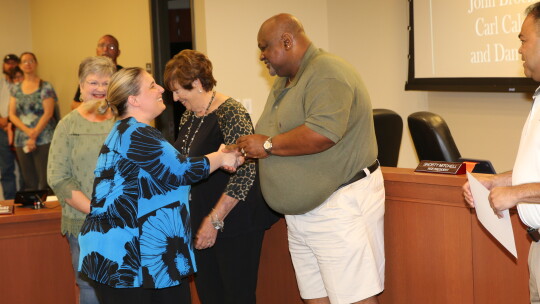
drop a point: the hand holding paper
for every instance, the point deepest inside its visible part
(487, 180)
(500, 228)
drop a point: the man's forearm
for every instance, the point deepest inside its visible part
(502, 179)
(300, 141)
(528, 193)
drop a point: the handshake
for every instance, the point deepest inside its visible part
(248, 146)
(230, 157)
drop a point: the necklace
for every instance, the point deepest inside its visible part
(186, 142)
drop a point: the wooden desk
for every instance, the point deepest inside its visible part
(37, 267)
(276, 282)
(438, 252)
(35, 258)
(436, 249)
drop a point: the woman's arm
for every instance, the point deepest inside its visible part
(233, 122)
(227, 160)
(79, 201)
(154, 154)
(48, 110)
(59, 173)
(14, 118)
(206, 236)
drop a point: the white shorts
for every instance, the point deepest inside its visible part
(534, 272)
(337, 249)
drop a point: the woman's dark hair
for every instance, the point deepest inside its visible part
(13, 72)
(29, 53)
(186, 67)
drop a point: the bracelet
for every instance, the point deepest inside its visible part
(216, 222)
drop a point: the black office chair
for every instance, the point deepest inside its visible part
(433, 141)
(432, 138)
(388, 130)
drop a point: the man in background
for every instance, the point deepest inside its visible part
(7, 156)
(107, 46)
(521, 186)
(317, 149)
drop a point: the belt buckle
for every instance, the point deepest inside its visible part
(534, 234)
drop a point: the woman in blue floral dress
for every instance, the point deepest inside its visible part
(31, 110)
(136, 242)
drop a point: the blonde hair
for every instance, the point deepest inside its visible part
(97, 65)
(124, 83)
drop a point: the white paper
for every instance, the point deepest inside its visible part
(52, 198)
(500, 228)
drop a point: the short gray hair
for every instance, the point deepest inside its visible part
(99, 65)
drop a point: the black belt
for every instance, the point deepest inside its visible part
(361, 174)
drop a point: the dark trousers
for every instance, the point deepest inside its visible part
(179, 294)
(227, 272)
(34, 167)
(7, 167)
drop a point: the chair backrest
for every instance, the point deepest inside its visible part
(388, 130)
(432, 138)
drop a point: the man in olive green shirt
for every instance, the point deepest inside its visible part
(317, 149)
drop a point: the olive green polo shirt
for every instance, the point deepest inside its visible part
(328, 96)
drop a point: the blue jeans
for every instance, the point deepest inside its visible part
(87, 294)
(7, 167)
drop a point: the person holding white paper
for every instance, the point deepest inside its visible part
(521, 186)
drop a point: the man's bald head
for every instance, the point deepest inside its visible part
(284, 23)
(108, 46)
(283, 43)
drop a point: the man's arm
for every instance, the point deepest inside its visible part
(506, 197)
(489, 181)
(503, 195)
(298, 141)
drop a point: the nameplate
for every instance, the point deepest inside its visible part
(441, 167)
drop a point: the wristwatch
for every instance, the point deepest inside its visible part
(267, 146)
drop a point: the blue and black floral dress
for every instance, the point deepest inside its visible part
(29, 109)
(138, 231)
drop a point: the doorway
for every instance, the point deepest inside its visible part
(172, 32)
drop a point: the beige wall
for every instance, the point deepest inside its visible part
(484, 125)
(371, 34)
(230, 41)
(15, 23)
(66, 31)
(352, 29)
